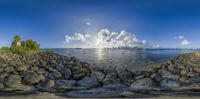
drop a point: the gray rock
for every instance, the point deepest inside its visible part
(169, 84)
(68, 83)
(66, 73)
(88, 82)
(21, 68)
(125, 75)
(169, 75)
(13, 81)
(1, 86)
(99, 76)
(34, 68)
(115, 86)
(80, 73)
(54, 75)
(33, 78)
(143, 84)
(9, 69)
(46, 86)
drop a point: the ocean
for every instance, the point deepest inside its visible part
(135, 59)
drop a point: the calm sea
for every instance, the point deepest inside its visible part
(122, 58)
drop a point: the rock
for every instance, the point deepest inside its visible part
(66, 73)
(143, 84)
(169, 84)
(3, 75)
(115, 86)
(68, 83)
(2, 86)
(194, 79)
(13, 81)
(157, 77)
(33, 78)
(9, 69)
(41, 71)
(169, 75)
(46, 86)
(88, 82)
(174, 69)
(65, 85)
(125, 75)
(79, 74)
(111, 78)
(54, 75)
(34, 68)
(21, 68)
(99, 76)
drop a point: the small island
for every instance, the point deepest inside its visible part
(25, 69)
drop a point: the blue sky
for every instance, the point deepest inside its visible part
(168, 23)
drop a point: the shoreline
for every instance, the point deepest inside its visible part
(70, 77)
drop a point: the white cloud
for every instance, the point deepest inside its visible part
(107, 39)
(184, 41)
(88, 21)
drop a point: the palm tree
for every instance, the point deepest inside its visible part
(16, 41)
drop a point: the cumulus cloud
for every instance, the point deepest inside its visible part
(184, 41)
(77, 37)
(107, 39)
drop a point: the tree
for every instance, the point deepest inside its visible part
(16, 41)
(32, 45)
(19, 46)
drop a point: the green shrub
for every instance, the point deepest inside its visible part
(5, 50)
(19, 46)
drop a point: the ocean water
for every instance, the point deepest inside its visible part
(122, 58)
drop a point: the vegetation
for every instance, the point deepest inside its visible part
(19, 46)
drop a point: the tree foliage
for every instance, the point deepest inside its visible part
(19, 46)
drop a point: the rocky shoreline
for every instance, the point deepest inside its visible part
(70, 77)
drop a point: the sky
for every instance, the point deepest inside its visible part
(102, 23)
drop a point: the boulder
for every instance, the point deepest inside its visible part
(88, 82)
(46, 86)
(143, 84)
(13, 81)
(63, 82)
(80, 73)
(21, 68)
(66, 73)
(115, 86)
(54, 75)
(168, 84)
(9, 69)
(33, 78)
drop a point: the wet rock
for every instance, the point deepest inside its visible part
(143, 84)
